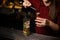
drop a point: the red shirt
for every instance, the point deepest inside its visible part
(44, 13)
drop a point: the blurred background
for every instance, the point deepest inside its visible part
(12, 13)
(9, 13)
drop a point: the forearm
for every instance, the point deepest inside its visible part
(53, 26)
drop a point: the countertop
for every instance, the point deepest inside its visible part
(18, 35)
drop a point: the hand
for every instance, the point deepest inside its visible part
(45, 0)
(26, 3)
(41, 22)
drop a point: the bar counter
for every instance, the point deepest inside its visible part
(14, 34)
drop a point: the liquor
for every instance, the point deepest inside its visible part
(26, 25)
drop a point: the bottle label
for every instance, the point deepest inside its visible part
(26, 28)
(27, 24)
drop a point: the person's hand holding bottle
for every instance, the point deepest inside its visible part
(26, 3)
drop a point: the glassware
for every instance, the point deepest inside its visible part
(26, 25)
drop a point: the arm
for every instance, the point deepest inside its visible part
(34, 3)
(42, 22)
(53, 25)
(57, 25)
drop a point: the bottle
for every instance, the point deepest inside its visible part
(26, 25)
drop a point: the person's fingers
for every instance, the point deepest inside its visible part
(38, 20)
(29, 4)
(25, 0)
(26, 4)
(39, 24)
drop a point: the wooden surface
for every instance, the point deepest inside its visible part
(18, 35)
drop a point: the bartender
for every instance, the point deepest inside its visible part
(44, 23)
